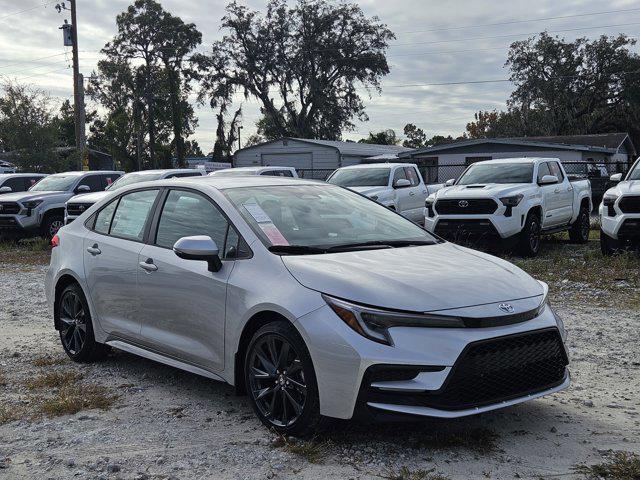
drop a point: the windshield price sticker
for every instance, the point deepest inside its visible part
(256, 211)
(273, 234)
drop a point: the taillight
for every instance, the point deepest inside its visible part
(55, 241)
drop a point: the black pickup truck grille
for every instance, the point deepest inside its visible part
(76, 209)
(630, 204)
(479, 206)
(9, 208)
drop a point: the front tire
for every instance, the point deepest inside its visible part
(281, 381)
(51, 224)
(76, 327)
(529, 243)
(579, 231)
(608, 245)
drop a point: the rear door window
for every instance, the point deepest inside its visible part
(132, 214)
(30, 182)
(108, 179)
(94, 182)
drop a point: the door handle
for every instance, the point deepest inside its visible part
(94, 250)
(412, 193)
(557, 190)
(148, 265)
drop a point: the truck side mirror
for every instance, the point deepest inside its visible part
(450, 182)
(548, 180)
(5, 189)
(402, 183)
(83, 189)
(616, 177)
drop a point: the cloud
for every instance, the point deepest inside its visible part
(436, 43)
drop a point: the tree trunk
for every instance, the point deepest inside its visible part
(176, 117)
(151, 120)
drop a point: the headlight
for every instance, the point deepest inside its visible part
(512, 201)
(31, 204)
(374, 323)
(431, 199)
(609, 200)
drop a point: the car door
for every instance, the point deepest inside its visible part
(550, 199)
(417, 195)
(403, 199)
(111, 261)
(564, 192)
(182, 303)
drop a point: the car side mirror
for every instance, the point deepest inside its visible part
(83, 189)
(402, 183)
(5, 190)
(616, 177)
(548, 180)
(199, 247)
(450, 182)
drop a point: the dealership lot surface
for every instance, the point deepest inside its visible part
(165, 423)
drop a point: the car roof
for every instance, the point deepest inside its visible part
(87, 172)
(376, 165)
(7, 175)
(168, 170)
(519, 160)
(222, 183)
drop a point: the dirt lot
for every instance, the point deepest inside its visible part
(153, 421)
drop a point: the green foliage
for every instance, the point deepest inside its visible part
(301, 62)
(385, 137)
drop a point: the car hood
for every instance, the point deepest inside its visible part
(29, 196)
(419, 279)
(89, 197)
(483, 190)
(369, 191)
(631, 187)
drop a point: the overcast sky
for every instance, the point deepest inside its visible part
(435, 44)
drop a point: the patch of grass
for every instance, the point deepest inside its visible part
(622, 466)
(312, 450)
(404, 473)
(47, 361)
(73, 399)
(479, 440)
(54, 380)
(32, 251)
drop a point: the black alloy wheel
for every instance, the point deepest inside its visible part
(73, 322)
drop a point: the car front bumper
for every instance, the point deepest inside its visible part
(19, 222)
(493, 226)
(622, 226)
(417, 372)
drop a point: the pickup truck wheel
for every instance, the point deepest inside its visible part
(608, 245)
(51, 224)
(529, 244)
(579, 231)
(76, 328)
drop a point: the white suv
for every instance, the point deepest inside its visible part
(620, 212)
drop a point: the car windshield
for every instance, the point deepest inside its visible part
(635, 173)
(134, 177)
(497, 173)
(321, 217)
(361, 177)
(233, 173)
(55, 183)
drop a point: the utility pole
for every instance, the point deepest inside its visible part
(239, 144)
(78, 86)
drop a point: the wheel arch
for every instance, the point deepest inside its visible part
(536, 209)
(62, 282)
(255, 322)
(53, 211)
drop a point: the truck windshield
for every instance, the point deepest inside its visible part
(635, 173)
(497, 173)
(308, 218)
(55, 183)
(361, 177)
(134, 177)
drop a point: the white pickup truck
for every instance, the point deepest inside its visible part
(512, 201)
(398, 186)
(620, 212)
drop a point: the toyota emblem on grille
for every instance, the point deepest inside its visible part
(81, 208)
(463, 204)
(506, 307)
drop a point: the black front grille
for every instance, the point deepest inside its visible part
(492, 371)
(9, 208)
(462, 231)
(630, 204)
(76, 209)
(630, 229)
(8, 222)
(478, 206)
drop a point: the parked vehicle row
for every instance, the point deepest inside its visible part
(620, 212)
(78, 204)
(40, 210)
(312, 299)
(512, 201)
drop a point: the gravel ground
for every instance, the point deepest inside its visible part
(165, 423)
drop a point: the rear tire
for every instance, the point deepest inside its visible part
(281, 382)
(51, 224)
(608, 245)
(579, 231)
(76, 328)
(529, 243)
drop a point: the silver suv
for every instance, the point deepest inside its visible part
(78, 204)
(40, 210)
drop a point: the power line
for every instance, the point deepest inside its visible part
(39, 74)
(36, 67)
(513, 22)
(26, 10)
(42, 58)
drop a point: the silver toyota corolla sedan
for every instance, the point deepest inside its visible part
(315, 301)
